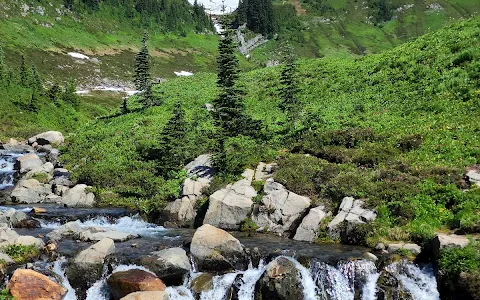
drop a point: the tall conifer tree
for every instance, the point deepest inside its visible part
(24, 78)
(142, 66)
(289, 88)
(3, 67)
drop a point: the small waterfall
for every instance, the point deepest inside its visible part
(359, 274)
(369, 289)
(179, 293)
(419, 282)
(331, 283)
(221, 285)
(58, 268)
(249, 279)
(309, 287)
(7, 173)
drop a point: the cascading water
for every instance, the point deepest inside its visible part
(7, 172)
(331, 283)
(58, 268)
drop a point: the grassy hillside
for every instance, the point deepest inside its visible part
(396, 128)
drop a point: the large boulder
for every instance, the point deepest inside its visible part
(217, 250)
(87, 266)
(281, 280)
(412, 248)
(30, 191)
(308, 229)
(264, 171)
(134, 280)
(281, 210)
(441, 241)
(52, 156)
(27, 162)
(170, 265)
(12, 217)
(148, 295)
(30, 285)
(201, 167)
(47, 138)
(80, 196)
(351, 212)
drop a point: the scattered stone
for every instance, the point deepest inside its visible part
(28, 223)
(413, 248)
(370, 256)
(39, 210)
(27, 162)
(47, 138)
(52, 156)
(80, 196)
(135, 280)
(352, 212)
(31, 285)
(280, 280)
(308, 229)
(215, 249)
(264, 171)
(88, 234)
(170, 265)
(380, 246)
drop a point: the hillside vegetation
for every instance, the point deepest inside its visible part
(396, 128)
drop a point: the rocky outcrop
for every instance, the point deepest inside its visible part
(442, 241)
(216, 250)
(228, 207)
(45, 170)
(27, 162)
(473, 175)
(149, 295)
(308, 229)
(264, 171)
(30, 191)
(389, 287)
(87, 266)
(182, 211)
(352, 212)
(47, 138)
(30, 285)
(170, 265)
(79, 196)
(11, 237)
(135, 280)
(281, 210)
(88, 234)
(281, 280)
(12, 217)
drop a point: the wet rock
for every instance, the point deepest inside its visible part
(170, 265)
(148, 295)
(38, 210)
(380, 246)
(442, 241)
(135, 280)
(390, 288)
(31, 285)
(47, 138)
(202, 283)
(87, 266)
(280, 281)
(281, 211)
(228, 207)
(88, 234)
(30, 191)
(28, 223)
(217, 250)
(28, 162)
(370, 256)
(12, 217)
(352, 213)
(308, 229)
(79, 196)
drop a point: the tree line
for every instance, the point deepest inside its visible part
(170, 15)
(26, 76)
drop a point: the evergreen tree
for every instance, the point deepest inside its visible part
(124, 107)
(142, 66)
(54, 93)
(3, 67)
(229, 113)
(69, 94)
(147, 98)
(289, 89)
(35, 81)
(172, 152)
(33, 105)
(24, 78)
(258, 14)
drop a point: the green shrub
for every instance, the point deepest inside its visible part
(41, 177)
(410, 142)
(247, 225)
(454, 260)
(20, 253)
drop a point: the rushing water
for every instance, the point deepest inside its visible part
(7, 173)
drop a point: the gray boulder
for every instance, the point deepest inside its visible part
(308, 229)
(170, 265)
(352, 212)
(264, 171)
(228, 207)
(201, 167)
(30, 191)
(88, 234)
(79, 196)
(28, 162)
(282, 209)
(52, 156)
(216, 250)
(413, 248)
(473, 175)
(47, 138)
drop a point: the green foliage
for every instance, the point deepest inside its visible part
(258, 15)
(21, 254)
(288, 90)
(454, 260)
(247, 225)
(41, 177)
(5, 295)
(142, 69)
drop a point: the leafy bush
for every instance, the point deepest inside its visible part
(410, 142)
(454, 260)
(20, 253)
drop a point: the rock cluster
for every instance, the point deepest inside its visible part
(351, 212)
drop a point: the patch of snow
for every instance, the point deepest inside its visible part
(78, 55)
(183, 73)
